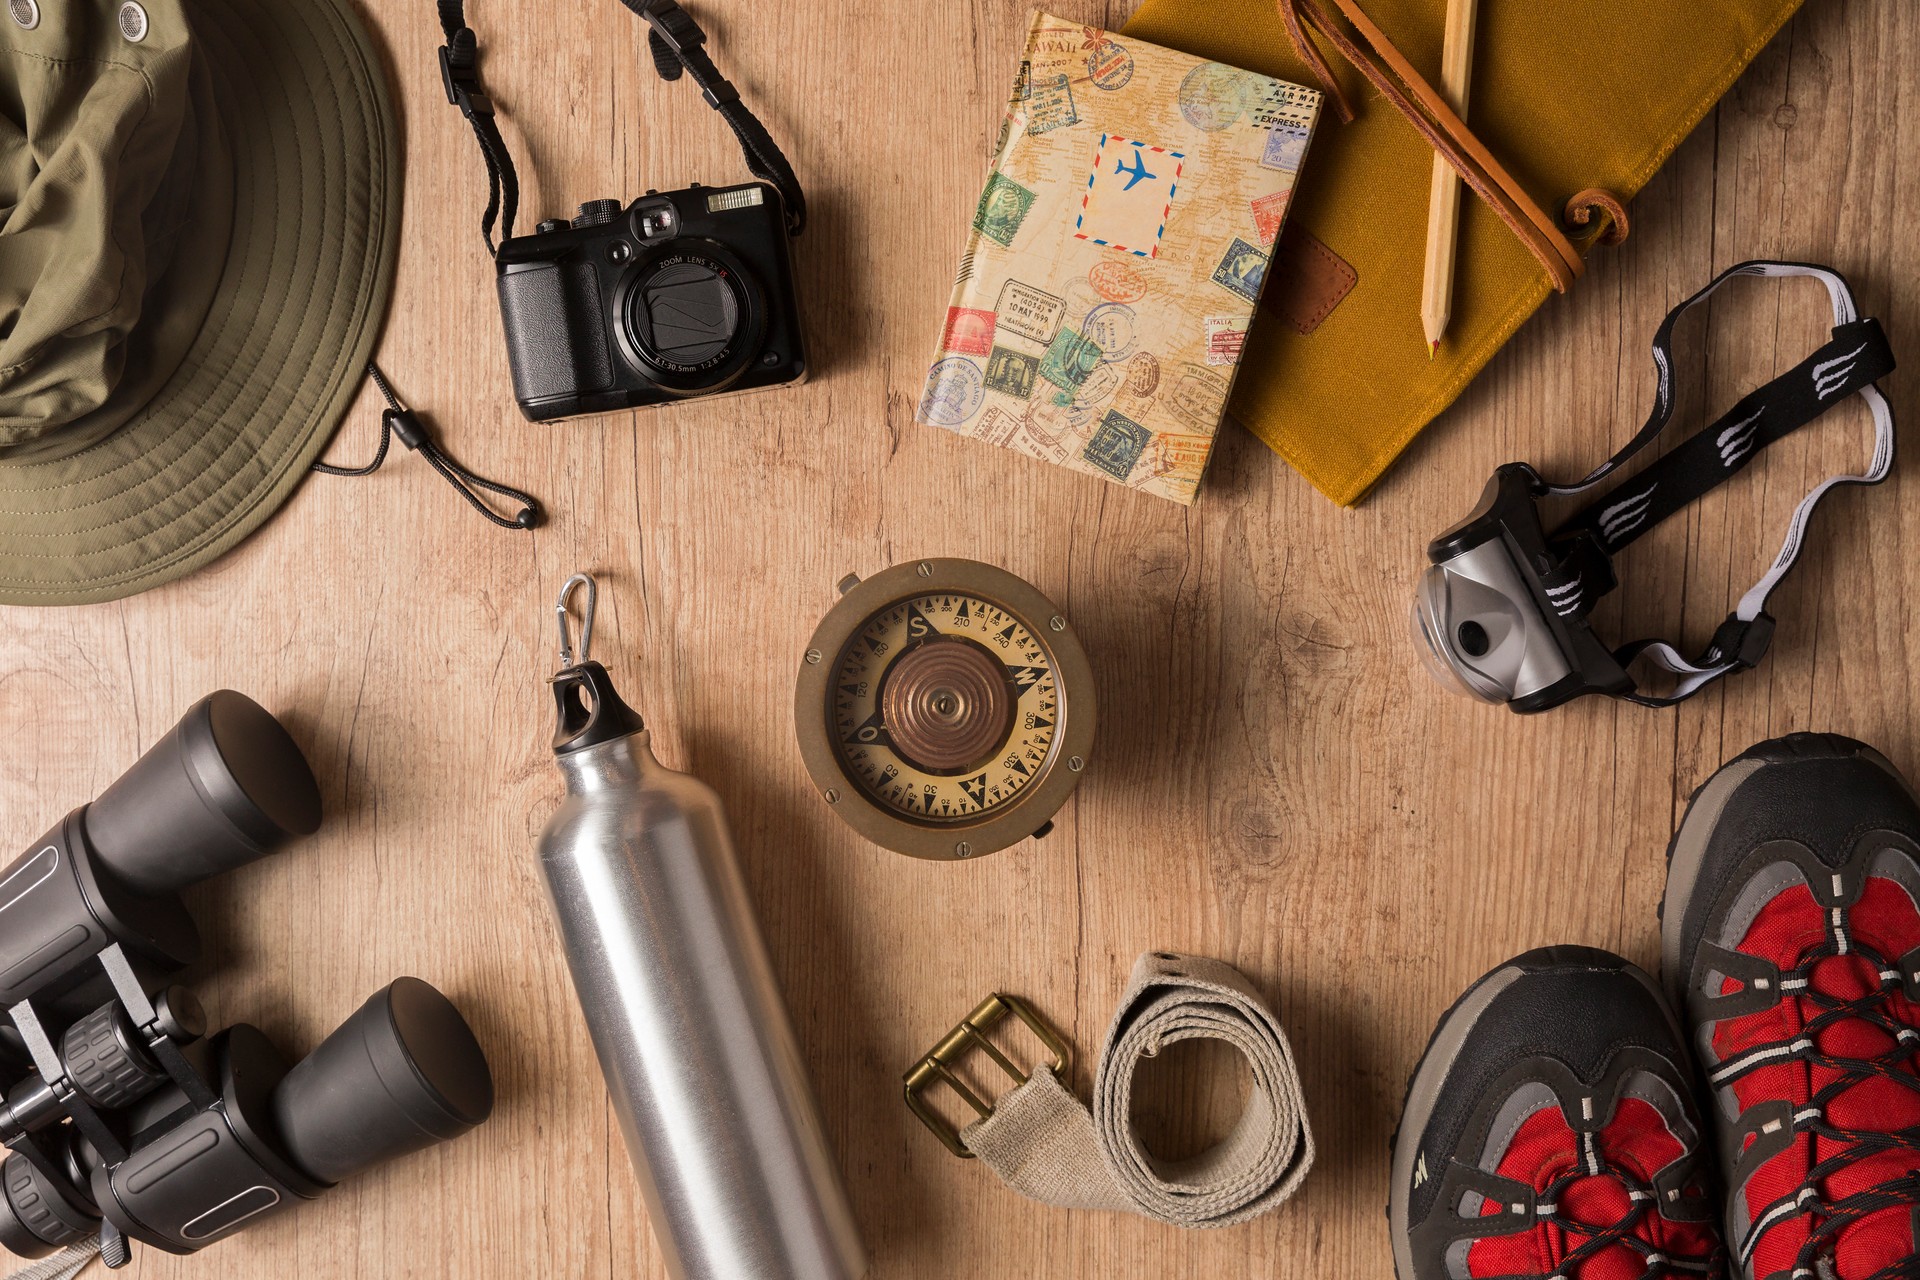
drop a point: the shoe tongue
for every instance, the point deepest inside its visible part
(1870, 1246)
(1597, 1202)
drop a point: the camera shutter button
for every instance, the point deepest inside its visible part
(595, 212)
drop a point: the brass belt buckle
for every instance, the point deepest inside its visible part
(971, 1034)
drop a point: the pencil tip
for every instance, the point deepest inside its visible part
(1434, 349)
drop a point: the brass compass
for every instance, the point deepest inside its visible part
(945, 708)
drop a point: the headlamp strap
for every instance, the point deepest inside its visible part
(677, 44)
(1849, 362)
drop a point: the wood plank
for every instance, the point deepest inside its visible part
(1278, 784)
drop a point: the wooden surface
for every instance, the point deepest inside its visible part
(1278, 783)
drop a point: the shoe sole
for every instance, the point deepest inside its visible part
(1687, 851)
(1436, 1063)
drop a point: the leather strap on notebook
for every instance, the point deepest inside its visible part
(1388, 70)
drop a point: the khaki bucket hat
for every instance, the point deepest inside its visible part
(199, 214)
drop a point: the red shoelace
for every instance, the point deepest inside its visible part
(1839, 1049)
(1595, 1204)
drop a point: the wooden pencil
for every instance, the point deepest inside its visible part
(1443, 205)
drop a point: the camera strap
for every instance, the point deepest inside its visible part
(460, 76)
(678, 46)
(1848, 363)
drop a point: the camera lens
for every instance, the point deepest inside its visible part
(226, 786)
(404, 1072)
(1473, 639)
(685, 312)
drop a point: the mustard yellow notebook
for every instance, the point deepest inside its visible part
(1596, 94)
(1115, 256)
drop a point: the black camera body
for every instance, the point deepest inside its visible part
(681, 294)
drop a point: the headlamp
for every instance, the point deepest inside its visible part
(1502, 610)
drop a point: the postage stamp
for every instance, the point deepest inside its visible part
(1040, 437)
(1214, 95)
(1284, 103)
(1242, 269)
(1110, 66)
(1286, 146)
(1226, 335)
(1003, 207)
(1269, 211)
(1011, 372)
(996, 426)
(1100, 384)
(1029, 312)
(1050, 104)
(1069, 360)
(1177, 453)
(968, 331)
(953, 394)
(1111, 326)
(1199, 396)
(1117, 281)
(1143, 374)
(1116, 444)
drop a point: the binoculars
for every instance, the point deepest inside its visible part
(126, 1119)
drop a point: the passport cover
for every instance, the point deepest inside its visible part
(1115, 256)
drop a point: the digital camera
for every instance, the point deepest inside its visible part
(680, 294)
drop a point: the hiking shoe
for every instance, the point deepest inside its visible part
(1789, 943)
(1549, 1132)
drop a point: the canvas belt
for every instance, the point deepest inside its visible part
(1043, 1142)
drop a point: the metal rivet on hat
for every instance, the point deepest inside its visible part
(25, 12)
(133, 22)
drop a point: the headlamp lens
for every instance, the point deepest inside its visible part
(1434, 655)
(1468, 635)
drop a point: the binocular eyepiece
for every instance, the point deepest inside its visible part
(125, 1120)
(225, 787)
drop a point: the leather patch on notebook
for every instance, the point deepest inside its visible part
(1306, 280)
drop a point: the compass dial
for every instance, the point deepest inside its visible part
(944, 707)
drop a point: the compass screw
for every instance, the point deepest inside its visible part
(926, 571)
(962, 850)
(1057, 622)
(833, 795)
(1076, 764)
(813, 657)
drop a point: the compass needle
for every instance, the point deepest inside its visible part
(944, 708)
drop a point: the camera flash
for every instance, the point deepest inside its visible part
(738, 198)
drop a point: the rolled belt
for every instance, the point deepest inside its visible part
(1046, 1144)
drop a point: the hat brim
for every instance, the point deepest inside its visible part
(315, 159)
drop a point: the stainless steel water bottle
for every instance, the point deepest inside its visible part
(692, 1036)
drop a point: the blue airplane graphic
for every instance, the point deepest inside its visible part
(1136, 173)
